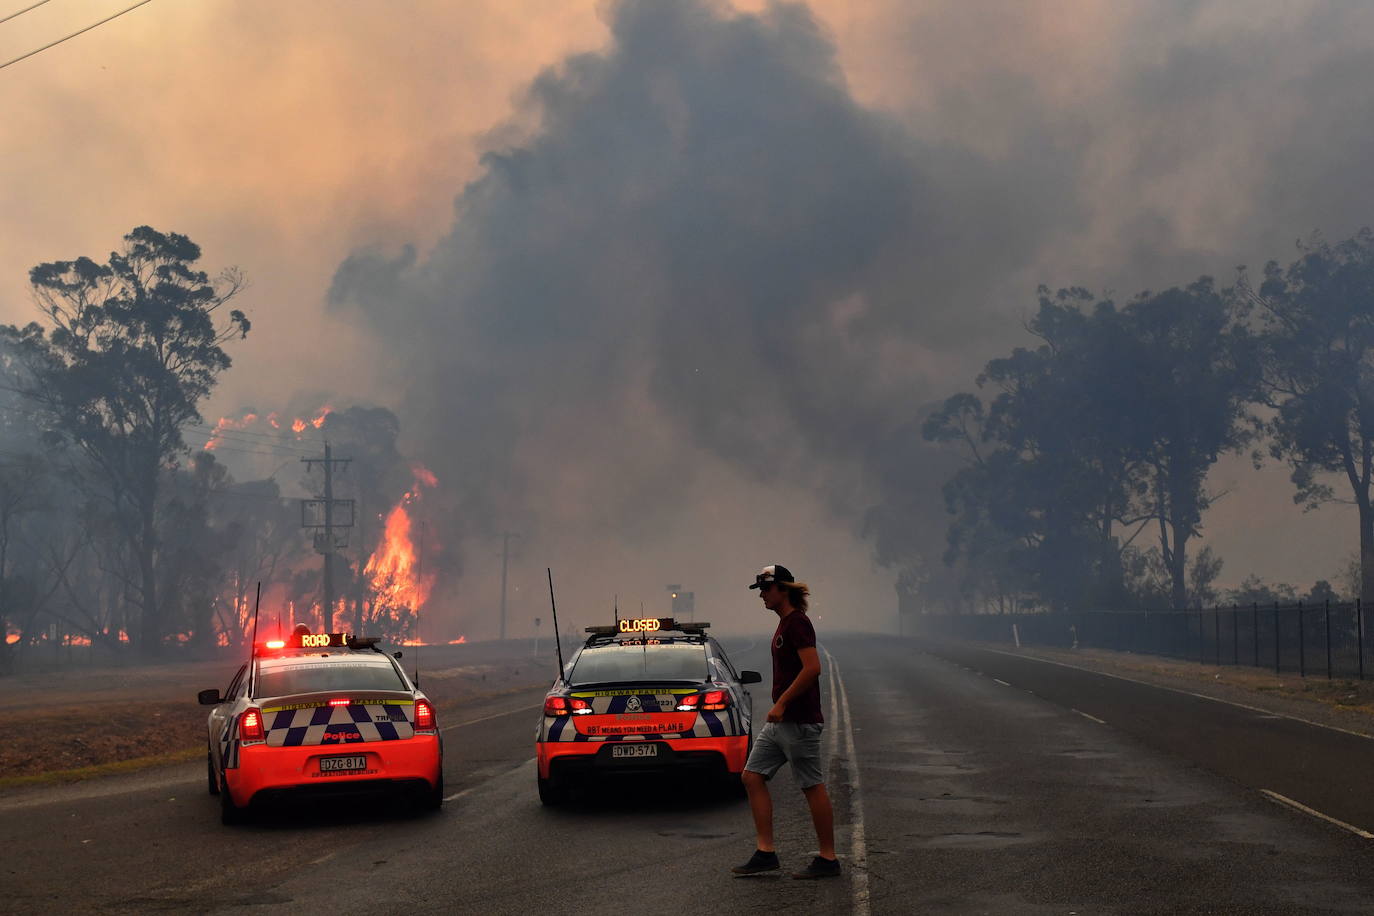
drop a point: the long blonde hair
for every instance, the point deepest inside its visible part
(797, 594)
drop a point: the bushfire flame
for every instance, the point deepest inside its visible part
(394, 570)
(298, 425)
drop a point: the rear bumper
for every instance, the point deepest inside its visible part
(727, 754)
(283, 770)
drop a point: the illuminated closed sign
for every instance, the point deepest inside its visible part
(641, 625)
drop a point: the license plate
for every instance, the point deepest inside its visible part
(634, 750)
(342, 764)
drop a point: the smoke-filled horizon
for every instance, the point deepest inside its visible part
(704, 270)
(713, 261)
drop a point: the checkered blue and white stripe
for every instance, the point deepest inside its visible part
(707, 724)
(334, 725)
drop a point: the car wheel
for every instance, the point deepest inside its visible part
(434, 798)
(210, 774)
(552, 791)
(229, 813)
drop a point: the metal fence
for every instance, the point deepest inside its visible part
(1314, 639)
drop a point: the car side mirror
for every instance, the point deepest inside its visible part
(750, 677)
(209, 697)
(396, 654)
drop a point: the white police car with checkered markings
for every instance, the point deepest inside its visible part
(320, 715)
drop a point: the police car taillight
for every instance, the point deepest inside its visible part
(556, 706)
(424, 716)
(250, 726)
(580, 707)
(711, 699)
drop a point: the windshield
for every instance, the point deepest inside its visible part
(669, 662)
(308, 677)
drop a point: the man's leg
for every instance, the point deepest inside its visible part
(761, 806)
(822, 815)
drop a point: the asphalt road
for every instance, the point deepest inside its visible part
(964, 781)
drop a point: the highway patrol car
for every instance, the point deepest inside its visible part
(648, 694)
(324, 714)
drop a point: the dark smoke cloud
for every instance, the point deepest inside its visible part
(707, 235)
(702, 251)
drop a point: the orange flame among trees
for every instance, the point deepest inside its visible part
(299, 425)
(394, 570)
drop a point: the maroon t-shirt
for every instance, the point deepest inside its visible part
(793, 634)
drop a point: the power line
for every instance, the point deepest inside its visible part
(248, 451)
(24, 10)
(292, 448)
(230, 431)
(53, 44)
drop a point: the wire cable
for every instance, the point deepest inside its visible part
(53, 44)
(24, 10)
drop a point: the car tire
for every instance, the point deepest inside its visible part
(210, 774)
(229, 813)
(552, 792)
(434, 798)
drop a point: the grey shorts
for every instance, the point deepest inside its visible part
(788, 742)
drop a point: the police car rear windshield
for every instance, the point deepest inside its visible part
(310, 677)
(684, 661)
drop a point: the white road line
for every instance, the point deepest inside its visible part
(471, 789)
(1299, 806)
(1086, 716)
(1200, 696)
(1002, 682)
(490, 717)
(858, 847)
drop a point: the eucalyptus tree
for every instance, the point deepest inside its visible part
(127, 351)
(1110, 424)
(1052, 466)
(1195, 370)
(1318, 330)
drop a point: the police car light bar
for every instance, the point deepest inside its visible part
(647, 625)
(302, 640)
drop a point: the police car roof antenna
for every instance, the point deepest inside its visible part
(253, 646)
(558, 643)
(257, 602)
(419, 577)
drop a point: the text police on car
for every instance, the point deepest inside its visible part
(320, 712)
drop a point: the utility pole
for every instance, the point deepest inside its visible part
(325, 542)
(505, 561)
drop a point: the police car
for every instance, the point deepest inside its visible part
(644, 695)
(322, 714)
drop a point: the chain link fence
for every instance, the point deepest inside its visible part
(1314, 639)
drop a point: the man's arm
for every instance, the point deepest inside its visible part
(811, 670)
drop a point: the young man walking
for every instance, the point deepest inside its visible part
(792, 733)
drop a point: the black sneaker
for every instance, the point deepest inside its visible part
(760, 861)
(820, 868)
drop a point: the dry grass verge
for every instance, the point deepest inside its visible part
(81, 724)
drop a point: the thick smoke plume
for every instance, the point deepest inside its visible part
(696, 280)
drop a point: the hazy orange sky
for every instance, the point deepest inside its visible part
(282, 136)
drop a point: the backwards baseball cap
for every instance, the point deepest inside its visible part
(774, 573)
